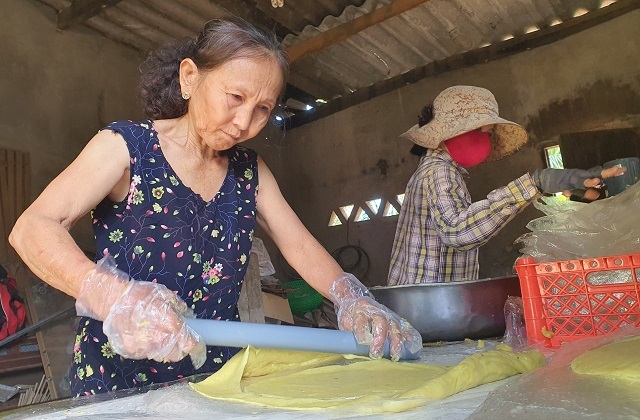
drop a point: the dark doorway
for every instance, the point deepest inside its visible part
(591, 148)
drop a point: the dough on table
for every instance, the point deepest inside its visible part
(305, 380)
(620, 359)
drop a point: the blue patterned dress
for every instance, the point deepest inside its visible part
(164, 232)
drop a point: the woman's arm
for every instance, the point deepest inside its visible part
(41, 234)
(141, 319)
(372, 323)
(301, 250)
(467, 226)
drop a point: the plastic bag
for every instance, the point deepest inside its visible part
(264, 261)
(576, 230)
(551, 205)
(556, 392)
(515, 334)
(13, 311)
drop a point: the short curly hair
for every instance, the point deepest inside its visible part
(220, 41)
(426, 115)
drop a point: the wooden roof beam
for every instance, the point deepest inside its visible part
(348, 29)
(81, 10)
(252, 14)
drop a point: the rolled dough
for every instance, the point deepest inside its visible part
(620, 359)
(307, 381)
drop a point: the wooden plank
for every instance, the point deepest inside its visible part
(15, 187)
(19, 194)
(20, 355)
(25, 362)
(5, 202)
(81, 10)
(4, 243)
(252, 14)
(54, 338)
(492, 52)
(18, 200)
(4, 182)
(46, 365)
(348, 29)
(27, 181)
(11, 188)
(25, 278)
(250, 306)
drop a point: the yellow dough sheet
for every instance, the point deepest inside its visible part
(307, 381)
(620, 359)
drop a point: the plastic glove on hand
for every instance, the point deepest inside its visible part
(584, 195)
(371, 322)
(142, 320)
(611, 172)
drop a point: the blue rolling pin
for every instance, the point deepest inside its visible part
(243, 334)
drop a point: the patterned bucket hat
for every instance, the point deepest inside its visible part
(460, 109)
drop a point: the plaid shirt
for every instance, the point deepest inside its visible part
(440, 230)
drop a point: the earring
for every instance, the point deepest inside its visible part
(186, 95)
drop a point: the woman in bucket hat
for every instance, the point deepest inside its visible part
(439, 229)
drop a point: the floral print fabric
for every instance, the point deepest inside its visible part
(164, 232)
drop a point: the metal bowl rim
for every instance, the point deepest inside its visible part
(451, 284)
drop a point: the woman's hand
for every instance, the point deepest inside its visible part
(357, 311)
(607, 173)
(142, 320)
(551, 181)
(371, 322)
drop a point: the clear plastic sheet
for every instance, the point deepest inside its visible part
(573, 230)
(515, 334)
(551, 205)
(552, 392)
(179, 401)
(555, 391)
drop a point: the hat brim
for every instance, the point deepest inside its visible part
(506, 138)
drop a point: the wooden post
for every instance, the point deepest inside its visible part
(250, 305)
(15, 186)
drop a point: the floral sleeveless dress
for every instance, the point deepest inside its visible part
(164, 232)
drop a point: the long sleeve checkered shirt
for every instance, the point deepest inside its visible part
(440, 230)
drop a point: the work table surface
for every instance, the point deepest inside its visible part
(549, 392)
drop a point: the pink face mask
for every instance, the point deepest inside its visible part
(469, 149)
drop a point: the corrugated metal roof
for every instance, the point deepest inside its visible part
(430, 32)
(435, 30)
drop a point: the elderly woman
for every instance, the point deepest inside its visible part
(174, 201)
(439, 228)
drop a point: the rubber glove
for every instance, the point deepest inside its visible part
(551, 181)
(584, 195)
(142, 320)
(371, 322)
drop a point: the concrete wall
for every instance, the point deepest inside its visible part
(588, 81)
(58, 88)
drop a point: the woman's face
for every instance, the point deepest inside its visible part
(233, 102)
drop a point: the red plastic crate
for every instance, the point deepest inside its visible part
(569, 300)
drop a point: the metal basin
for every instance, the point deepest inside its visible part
(452, 311)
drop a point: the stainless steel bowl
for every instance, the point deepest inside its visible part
(452, 311)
